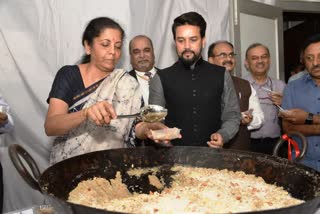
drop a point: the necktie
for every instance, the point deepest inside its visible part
(148, 74)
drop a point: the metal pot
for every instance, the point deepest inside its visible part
(58, 180)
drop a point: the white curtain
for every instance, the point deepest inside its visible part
(37, 37)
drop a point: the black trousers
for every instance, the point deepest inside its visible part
(1, 189)
(263, 145)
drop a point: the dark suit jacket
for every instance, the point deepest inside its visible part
(133, 73)
(142, 142)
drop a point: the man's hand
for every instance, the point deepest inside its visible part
(3, 118)
(246, 117)
(294, 116)
(276, 98)
(216, 141)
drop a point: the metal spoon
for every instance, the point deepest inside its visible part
(150, 114)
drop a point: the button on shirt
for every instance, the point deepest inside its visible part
(144, 83)
(303, 93)
(270, 127)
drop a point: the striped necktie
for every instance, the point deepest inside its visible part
(148, 74)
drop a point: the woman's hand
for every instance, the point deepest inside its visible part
(59, 121)
(100, 113)
(143, 131)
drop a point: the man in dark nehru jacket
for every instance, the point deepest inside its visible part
(200, 97)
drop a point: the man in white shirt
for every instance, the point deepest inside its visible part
(142, 61)
(222, 53)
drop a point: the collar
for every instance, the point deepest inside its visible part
(253, 81)
(141, 73)
(307, 78)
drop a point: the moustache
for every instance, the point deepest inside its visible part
(187, 50)
(227, 62)
(143, 61)
(316, 67)
(260, 63)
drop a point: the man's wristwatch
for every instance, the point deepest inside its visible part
(309, 119)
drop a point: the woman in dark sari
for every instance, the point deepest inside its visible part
(85, 99)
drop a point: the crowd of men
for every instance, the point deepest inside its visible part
(184, 88)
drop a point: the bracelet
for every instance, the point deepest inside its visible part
(85, 113)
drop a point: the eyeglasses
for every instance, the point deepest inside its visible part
(225, 55)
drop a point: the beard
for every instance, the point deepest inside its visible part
(190, 61)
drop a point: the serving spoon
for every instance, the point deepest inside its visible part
(149, 113)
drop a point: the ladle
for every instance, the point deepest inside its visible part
(149, 113)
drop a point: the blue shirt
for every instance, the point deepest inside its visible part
(304, 93)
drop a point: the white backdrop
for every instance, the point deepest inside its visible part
(37, 37)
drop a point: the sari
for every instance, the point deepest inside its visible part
(122, 91)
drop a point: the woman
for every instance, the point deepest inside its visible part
(85, 99)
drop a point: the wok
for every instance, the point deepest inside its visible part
(58, 180)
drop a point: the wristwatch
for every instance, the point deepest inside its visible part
(309, 119)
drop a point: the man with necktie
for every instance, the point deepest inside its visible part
(142, 61)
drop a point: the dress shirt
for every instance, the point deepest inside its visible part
(228, 127)
(304, 93)
(257, 113)
(7, 127)
(144, 83)
(271, 127)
